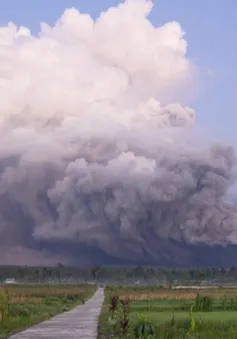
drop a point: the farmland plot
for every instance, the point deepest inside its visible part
(24, 306)
(166, 313)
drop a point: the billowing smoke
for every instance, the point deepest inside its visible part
(100, 159)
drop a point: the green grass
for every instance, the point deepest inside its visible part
(215, 324)
(172, 305)
(160, 305)
(163, 317)
(24, 315)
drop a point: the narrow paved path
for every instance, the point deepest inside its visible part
(81, 322)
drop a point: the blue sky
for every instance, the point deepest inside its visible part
(210, 26)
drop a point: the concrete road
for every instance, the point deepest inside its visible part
(80, 322)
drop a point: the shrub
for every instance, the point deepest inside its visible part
(144, 329)
(202, 304)
(4, 304)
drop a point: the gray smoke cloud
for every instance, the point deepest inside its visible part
(100, 158)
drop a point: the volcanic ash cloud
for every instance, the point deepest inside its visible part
(97, 151)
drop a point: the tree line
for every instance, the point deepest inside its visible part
(117, 274)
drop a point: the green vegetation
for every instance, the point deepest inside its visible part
(162, 307)
(167, 313)
(120, 275)
(24, 306)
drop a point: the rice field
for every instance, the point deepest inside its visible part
(179, 294)
(172, 313)
(22, 306)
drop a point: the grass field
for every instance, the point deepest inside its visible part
(172, 313)
(24, 306)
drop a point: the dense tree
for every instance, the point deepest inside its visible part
(117, 274)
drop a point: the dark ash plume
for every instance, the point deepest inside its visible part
(98, 164)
